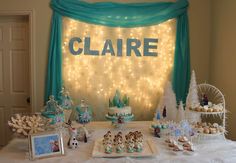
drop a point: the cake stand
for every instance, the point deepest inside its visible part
(119, 121)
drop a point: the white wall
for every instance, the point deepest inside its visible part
(223, 56)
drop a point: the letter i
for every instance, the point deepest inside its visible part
(119, 47)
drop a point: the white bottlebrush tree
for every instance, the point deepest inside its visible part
(192, 98)
(168, 100)
(181, 112)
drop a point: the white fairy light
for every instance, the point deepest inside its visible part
(96, 78)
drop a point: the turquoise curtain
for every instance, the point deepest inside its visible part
(181, 71)
(120, 15)
(54, 73)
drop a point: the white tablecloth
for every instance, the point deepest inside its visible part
(218, 150)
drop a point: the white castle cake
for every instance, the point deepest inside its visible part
(119, 107)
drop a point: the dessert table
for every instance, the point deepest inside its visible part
(217, 150)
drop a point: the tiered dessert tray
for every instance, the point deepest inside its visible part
(216, 97)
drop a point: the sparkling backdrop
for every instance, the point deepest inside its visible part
(95, 78)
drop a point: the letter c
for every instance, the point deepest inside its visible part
(71, 46)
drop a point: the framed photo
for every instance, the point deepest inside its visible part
(45, 144)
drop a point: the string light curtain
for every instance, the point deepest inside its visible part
(95, 78)
(124, 15)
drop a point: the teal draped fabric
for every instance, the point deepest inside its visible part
(181, 71)
(54, 73)
(120, 15)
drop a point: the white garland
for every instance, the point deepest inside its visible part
(25, 124)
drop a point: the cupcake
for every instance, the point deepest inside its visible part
(206, 130)
(205, 109)
(213, 130)
(215, 110)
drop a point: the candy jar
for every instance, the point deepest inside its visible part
(53, 111)
(66, 103)
(84, 113)
(84, 116)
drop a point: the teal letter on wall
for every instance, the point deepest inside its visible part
(147, 46)
(108, 48)
(71, 46)
(87, 50)
(133, 47)
(119, 47)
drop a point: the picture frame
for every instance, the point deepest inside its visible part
(45, 144)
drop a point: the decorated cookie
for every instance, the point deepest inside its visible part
(168, 140)
(183, 139)
(178, 148)
(190, 147)
(173, 143)
(187, 144)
